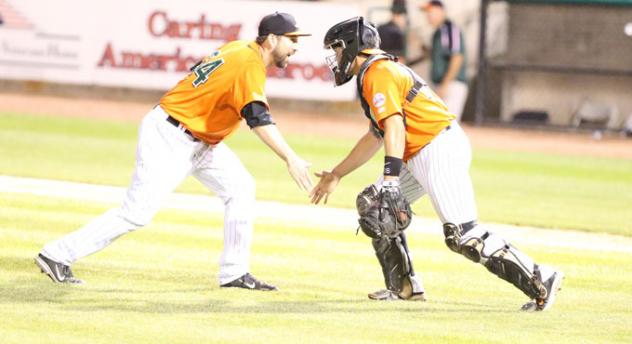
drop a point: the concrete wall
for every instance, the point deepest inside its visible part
(586, 38)
(561, 94)
(577, 36)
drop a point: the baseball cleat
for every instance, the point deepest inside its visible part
(248, 281)
(57, 272)
(389, 295)
(552, 285)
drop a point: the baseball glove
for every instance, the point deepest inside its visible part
(383, 214)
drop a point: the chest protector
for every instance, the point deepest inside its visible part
(418, 84)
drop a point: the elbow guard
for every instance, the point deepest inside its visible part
(256, 114)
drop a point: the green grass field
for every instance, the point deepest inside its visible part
(159, 284)
(543, 190)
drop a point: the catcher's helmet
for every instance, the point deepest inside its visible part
(353, 36)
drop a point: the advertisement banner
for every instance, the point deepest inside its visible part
(152, 44)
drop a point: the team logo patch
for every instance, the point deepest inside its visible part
(378, 100)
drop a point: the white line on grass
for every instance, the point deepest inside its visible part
(332, 218)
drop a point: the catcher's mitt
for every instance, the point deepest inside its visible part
(383, 214)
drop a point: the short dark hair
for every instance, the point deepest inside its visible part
(432, 3)
(399, 7)
(261, 39)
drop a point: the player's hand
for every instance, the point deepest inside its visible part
(299, 170)
(326, 185)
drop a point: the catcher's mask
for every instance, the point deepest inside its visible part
(353, 36)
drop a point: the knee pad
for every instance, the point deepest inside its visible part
(478, 244)
(453, 234)
(472, 247)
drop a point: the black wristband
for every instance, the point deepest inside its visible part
(392, 166)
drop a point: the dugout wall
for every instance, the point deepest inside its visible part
(562, 60)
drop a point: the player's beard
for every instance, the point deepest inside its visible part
(281, 61)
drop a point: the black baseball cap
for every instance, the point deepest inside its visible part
(282, 24)
(399, 7)
(433, 3)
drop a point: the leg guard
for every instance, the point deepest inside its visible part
(498, 256)
(399, 277)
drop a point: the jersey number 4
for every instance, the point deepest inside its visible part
(203, 71)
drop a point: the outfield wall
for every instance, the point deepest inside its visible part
(150, 45)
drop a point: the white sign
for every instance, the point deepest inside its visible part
(152, 44)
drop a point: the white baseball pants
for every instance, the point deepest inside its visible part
(441, 170)
(165, 157)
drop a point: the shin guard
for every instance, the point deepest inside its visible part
(393, 256)
(498, 256)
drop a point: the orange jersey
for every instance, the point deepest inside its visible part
(209, 100)
(385, 87)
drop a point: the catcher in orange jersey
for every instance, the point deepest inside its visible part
(183, 136)
(426, 152)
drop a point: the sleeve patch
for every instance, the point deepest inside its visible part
(378, 100)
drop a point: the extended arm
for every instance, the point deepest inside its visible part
(394, 139)
(297, 167)
(364, 149)
(260, 121)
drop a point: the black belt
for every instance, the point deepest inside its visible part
(179, 125)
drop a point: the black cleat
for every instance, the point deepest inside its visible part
(248, 281)
(57, 272)
(552, 285)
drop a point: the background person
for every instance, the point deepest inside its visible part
(392, 33)
(447, 68)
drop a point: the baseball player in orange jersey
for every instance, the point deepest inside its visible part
(426, 152)
(183, 136)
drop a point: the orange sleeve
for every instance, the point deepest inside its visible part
(250, 86)
(381, 92)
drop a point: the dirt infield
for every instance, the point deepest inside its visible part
(346, 125)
